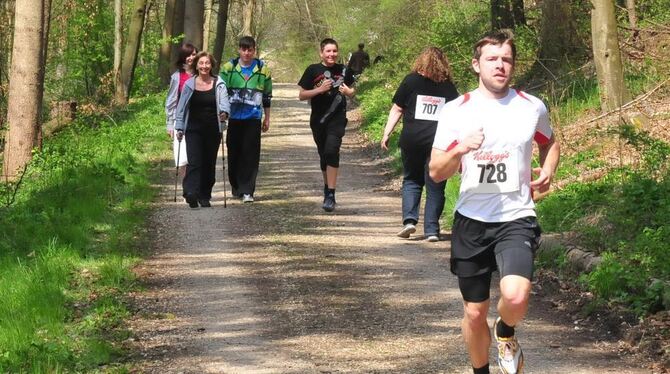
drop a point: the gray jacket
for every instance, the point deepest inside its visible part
(223, 106)
(171, 101)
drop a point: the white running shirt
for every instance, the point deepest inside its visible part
(495, 179)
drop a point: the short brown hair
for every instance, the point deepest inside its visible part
(433, 64)
(194, 64)
(496, 37)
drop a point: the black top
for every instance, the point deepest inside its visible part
(315, 75)
(421, 100)
(359, 61)
(202, 110)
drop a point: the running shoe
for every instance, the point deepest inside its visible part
(510, 356)
(205, 203)
(329, 203)
(192, 202)
(407, 230)
(247, 198)
(433, 238)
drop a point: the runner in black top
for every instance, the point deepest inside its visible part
(419, 100)
(325, 85)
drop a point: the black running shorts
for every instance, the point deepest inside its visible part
(479, 248)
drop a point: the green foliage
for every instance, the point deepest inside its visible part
(68, 242)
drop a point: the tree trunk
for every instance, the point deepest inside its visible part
(221, 23)
(165, 54)
(501, 15)
(194, 15)
(518, 13)
(248, 18)
(25, 97)
(118, 49)
(607, 56)
(558, 33)
(131, 49)
(207, 25)
(43, 63)
(177, 28)
(632, 18)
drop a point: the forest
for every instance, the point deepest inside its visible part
(82, 87)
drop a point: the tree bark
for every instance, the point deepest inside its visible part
(518, 13)
(221, 24)
(632, 18)
(118, 46)
(558, 33)
(207, 25)
(607, 56)
(131, 49)
(46, 24)
(165, 54)
(248, 18)
(194, 15)
(501, 15)
(25, 94)
(177, 28)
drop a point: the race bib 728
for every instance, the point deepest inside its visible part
(428, 107)
(491, 171)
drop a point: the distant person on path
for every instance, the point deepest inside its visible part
(202, 111)
(419, 100)
(184, 71)
(488, 134)
(250, 93)
(359, 61)
(324, 85)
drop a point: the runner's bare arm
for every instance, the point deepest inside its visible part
(549, 157)
(394, 116)
(444, 164)
(346, 90)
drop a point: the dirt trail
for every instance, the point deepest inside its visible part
(280, 286)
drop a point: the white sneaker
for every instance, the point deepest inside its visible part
(406, 231)
(247, 198)
(433, 238)
(510, 356)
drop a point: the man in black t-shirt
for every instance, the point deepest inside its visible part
(359, 60)
(324, 85)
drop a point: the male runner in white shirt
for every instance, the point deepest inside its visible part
(488, 135)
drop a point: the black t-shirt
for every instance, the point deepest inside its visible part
(202, 110)
(421, 100)
(315, 75)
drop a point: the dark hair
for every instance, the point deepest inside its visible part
(197, 58)
(185, 50)
(326, 41)
(247, 42)
(361, 45)
(495, 37)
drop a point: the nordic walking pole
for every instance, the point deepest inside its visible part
(176, 169)
(223, 165)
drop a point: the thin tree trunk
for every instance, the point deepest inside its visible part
(317, 39)
(164, 56)
(558, 33)
(177, 28)
(221, 24)
(43, 62)
(607, 56)
(207, 25)
(501, 15)
(518, 13)
(248, 18)
(25, 96)
(194, 14)
(118, 48)
(632, 18)
(131, 50)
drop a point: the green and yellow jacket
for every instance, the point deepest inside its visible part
(248, 95)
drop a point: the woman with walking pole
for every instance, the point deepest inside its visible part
(202, 111)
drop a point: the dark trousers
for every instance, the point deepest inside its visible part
(244, 154)
(328, 139)
(202, 146)
(415, 177)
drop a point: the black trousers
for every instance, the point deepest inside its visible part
(202, 146)
(328, 138)
(244, 154)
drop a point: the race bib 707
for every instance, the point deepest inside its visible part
(428, 107)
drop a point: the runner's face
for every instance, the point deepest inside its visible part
(189, 59)
(329, 54)
(247, 55)
(204, 66)
(495, 68)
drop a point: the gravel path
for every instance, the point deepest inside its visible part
(280, 286)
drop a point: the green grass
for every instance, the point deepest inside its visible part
(68, 242)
